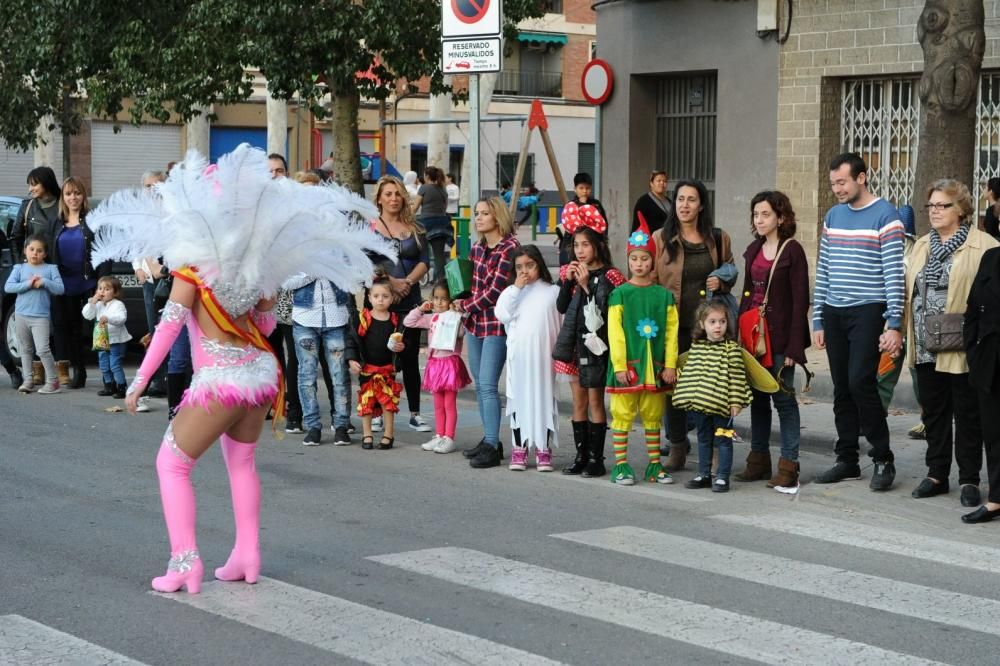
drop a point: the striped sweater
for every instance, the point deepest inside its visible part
(713, 379)
(861, 261)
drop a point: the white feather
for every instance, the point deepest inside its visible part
(240, 227)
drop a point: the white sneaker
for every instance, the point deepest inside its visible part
(50, 388)
(377, 424)
(143, 405)
(432, 444)
(445, 445)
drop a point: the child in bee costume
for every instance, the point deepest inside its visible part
(642, 336)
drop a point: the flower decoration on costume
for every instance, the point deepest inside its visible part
(641, 239)
(575, 216)
(647, 328)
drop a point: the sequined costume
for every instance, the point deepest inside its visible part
(239, 235)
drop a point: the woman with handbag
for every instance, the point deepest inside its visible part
(939, 276)
(774, 326)
(688, 249)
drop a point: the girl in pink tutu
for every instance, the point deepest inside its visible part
(445, 374)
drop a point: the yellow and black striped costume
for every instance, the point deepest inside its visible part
(713, 378)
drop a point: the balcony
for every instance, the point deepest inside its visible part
(523, 83)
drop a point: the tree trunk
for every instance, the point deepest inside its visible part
(438, 153)
(346, 148)
(952, 36)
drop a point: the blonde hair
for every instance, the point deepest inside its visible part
(77, 184)
(958, 193)
(306, 178)
(498, 208)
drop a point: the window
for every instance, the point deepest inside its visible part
(552, 6)
(585, 158)
(507, 167)
(685, 127)
(880, 119)
(987, 137)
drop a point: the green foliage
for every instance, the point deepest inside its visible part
(151, 59)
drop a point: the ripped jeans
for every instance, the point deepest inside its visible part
(307, 344)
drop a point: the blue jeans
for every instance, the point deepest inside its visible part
(179, 361)
(788, 414)
(707, 425)
(110, 363)
(486, 358)
(307, 344)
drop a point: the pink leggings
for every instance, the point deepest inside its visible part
(445, 413)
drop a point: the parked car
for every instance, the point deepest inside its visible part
(131, 289)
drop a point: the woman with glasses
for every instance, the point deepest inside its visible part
(776, 269)
(939, 276)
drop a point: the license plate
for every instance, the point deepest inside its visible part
(128, 281)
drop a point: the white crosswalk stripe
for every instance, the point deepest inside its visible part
(646, 489)
(24, 642)
(745, 636)
(894, 596)
(347, 628)
(862, 535)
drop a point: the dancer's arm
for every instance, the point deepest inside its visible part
(263, 316)
(175, 315)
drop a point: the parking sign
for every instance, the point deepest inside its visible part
(469, 18)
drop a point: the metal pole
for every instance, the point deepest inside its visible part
(597, 153)
(474, 139)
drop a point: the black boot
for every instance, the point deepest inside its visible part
(109, 389)
(581, 439)
(79, 377)
(16, 378)
(488, 457)
(120, 392)
(595, 453)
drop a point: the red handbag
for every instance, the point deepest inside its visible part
(754, 334)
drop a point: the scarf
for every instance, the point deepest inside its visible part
(940, 252)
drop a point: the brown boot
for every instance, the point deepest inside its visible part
(37, 373)
(787, 476)
(677, 458)
(758, 467)
(62, 369)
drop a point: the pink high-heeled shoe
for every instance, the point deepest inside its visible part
(240, 567)
(184, 570)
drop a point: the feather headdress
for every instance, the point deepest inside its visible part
(245, 232)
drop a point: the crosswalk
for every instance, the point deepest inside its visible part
(347, 630)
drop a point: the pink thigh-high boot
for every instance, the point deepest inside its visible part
(185, 568)
(244, 561)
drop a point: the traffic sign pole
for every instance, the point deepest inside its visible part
(474, 141)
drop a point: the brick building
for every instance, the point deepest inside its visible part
(768, 101)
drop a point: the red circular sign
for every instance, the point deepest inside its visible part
(470, 11)
(597, 81)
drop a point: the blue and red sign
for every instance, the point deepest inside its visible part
(470, 18)
(470, 11)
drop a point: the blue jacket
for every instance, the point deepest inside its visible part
(33, 302)
(303, 296)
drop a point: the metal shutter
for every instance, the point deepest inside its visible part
(14, 168)
(119, 160)
(585, 158)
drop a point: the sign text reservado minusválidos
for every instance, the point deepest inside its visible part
(470, 49)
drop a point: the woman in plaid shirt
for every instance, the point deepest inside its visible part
(487, 341)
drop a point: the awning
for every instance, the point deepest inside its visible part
(542, 37)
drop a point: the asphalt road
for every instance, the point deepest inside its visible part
(407, 557)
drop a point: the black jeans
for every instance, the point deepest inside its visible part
(281, 340)
(439, 251)
(852, 349)
(991, 437)
(943, 398)
(68, 327)
(410, 362)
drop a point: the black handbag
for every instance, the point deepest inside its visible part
(943, 332)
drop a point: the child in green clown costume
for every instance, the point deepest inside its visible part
(642, 336)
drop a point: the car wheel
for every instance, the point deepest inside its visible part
(10, 334)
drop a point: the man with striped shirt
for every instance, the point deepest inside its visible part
(857, 314)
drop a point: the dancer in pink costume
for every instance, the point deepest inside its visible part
(239, 235)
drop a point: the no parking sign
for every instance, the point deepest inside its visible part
(467, 18)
